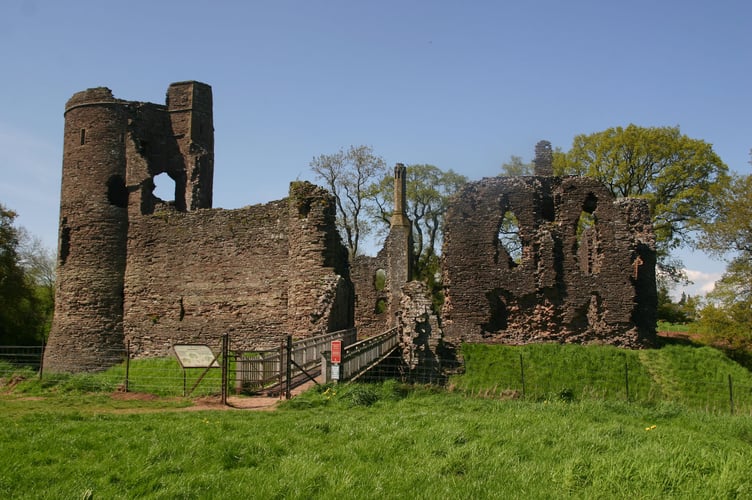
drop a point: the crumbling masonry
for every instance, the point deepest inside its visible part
(137, 270)
(544, 258)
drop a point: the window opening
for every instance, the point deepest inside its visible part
(587, 246)
(117, 194)
(379, 280)
(164, 187)
(508, 238)
(83, 136)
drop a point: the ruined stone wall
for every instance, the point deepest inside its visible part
(570, 283)
(258, 273)
(372, 299)
(193, 276)
(133, 268)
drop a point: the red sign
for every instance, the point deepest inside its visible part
(336, 351)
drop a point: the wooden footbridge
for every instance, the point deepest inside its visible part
(277, 371)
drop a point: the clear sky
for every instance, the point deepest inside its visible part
(458, 84)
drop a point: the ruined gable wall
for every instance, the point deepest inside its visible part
(552, 294)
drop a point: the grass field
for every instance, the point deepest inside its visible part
(393, 441)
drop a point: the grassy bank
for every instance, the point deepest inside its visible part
(697, 377)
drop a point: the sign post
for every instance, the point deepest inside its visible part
(336, 358)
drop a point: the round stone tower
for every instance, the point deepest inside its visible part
(87, 329)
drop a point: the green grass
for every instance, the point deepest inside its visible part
(677, 327)
(693, 376)
(159, 376)
(572, 435)
(374, 441)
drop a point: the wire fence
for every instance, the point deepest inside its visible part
(513, 375)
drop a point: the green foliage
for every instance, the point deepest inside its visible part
(731, 230)
(516, 167)
(683, 311)
(509, 237)
(25, 301)
(727, 318)
(681, 178)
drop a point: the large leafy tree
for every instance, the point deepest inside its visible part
(728, 315)
(428, 189)
(23, 316)
(681, 178)
(350, 175)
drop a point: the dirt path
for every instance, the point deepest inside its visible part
(257, 403)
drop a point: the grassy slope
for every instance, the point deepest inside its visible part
(694, 376)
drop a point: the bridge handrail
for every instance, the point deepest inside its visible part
(357, 357)
(258, 368)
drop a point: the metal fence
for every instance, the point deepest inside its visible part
(516, 377)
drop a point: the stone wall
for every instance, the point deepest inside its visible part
(569, 283)
(148, 272)
(258, 273)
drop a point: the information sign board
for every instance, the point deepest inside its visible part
(195, 356)
(336, 351)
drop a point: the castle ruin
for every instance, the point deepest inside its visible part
(544, 258)
(134, 269)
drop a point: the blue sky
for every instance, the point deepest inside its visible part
(461, 85)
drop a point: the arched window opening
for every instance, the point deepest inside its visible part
(164, 187)
(381, 306)
(508, 238)
(379, 280)
(587, 243)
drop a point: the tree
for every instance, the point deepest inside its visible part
(39, 263)
(22, 321)
(681, 178)
(728, 315)
(350, 175)
(515, 167)
(428, 189)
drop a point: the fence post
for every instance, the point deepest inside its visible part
(731, 394)
(626, 376)
(288, 368)
(225, 364)
(522, 375)
(41, 360)
(326, 370)
(127, 365)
